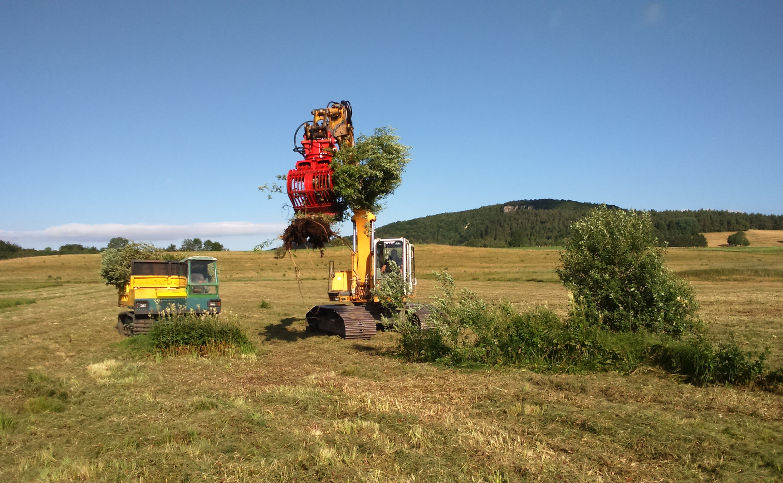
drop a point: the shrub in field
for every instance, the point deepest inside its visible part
(738, 239)
(116, 262)
(202, 334)
(613, 266)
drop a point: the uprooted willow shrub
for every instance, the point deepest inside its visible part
(468, 330)
(116, 262)
(363, 175)
(370, 170)
(613, 266)
(200, 334)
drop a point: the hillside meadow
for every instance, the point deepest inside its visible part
(77, 403)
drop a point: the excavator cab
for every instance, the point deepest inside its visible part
(395, 252)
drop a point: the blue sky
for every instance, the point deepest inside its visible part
(158, 120)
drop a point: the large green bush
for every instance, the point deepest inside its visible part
(613, 265)
(738, 239)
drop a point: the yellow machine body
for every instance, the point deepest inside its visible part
(153, 287)
(334, 119)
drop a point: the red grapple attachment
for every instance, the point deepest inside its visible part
(310, 184)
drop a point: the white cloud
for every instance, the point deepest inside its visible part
(653, 13)
(76, 232)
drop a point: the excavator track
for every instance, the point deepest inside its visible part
(347, 321)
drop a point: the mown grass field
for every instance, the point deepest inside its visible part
(75, 403)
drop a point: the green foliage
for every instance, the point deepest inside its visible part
(704, 363)
(76, 249)
(117, 242)
(264, 304)
(679, 231)
(369, 171)
(116, 262)
(196, 245)
(198, 333)
(614, 267)
(390, 291)
(192, 245)
(9, 250)
(738, 239)
(7, 422)
(12, 250)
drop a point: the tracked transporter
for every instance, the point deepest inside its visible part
(159, 287)
(310, 189)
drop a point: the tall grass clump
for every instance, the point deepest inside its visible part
(703, 362)
(204, 335)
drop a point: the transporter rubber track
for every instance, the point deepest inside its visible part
(128, 324)
(420, 316)
(347, 321)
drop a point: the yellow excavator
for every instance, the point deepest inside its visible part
(357, 313)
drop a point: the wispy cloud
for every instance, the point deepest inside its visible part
(85, 232)
(653, 13)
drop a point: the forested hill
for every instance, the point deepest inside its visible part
(545, 222)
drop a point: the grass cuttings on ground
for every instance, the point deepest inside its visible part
(193, 334)
(15, 302)
(471, 331)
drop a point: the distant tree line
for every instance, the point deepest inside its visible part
(12, 250)
(546, 222)
(188, 245)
